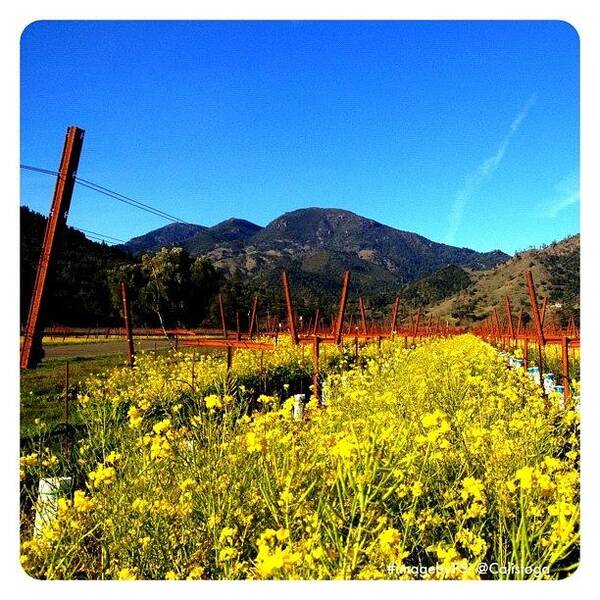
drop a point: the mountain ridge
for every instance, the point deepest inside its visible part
(307, 237)
(555, 268)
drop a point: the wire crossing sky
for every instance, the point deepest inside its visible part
(464, 132)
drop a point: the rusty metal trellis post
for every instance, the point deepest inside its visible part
(252, 318)
(31, 352)
(65, 441)
(341, 308)
(127, 323)
(565, 368)
(534, 307)
(66, 398)
(316, 325)
(222, 311)
(229, 352)
(363, 315)
(290, 307)
(315, 360)
(127, 319)
(394, 316)
(543, 310)
(416, 326)
(520, 321)
(496, 324)
(511, 329)
(537, 321)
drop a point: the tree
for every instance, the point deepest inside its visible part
(168, 288)
(205, 282)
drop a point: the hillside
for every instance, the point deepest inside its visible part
(196, 239)
(315, 246)
(321, 243)
(435, 288)
(555, 270)
(80, 293)
(174, 234)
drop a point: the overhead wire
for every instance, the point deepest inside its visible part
(112, 194)
(127, 200)
(99, 235)
(38, 170)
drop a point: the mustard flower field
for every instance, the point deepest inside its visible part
(433, 462)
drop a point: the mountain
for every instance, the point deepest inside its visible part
(174, 234)
(555, 269)
(197, 239)
(320, 243)
(235, 229)
(315, 246)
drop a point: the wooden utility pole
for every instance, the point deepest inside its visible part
(31, 352)
(127, 319)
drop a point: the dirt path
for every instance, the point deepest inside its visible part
(88, 349)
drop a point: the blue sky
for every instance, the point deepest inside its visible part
(464, 132)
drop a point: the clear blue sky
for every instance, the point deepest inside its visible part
(464, 132)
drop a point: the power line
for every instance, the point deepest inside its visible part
(39, 170)
(127, 200)
(95, 238)
(100, 235)
(112, 194)
(151, 211)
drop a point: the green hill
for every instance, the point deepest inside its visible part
(555, 270)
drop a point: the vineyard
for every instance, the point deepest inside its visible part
(324, 447)
(400, 457)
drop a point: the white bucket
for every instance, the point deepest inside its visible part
(46, 507)
(534, 373)
(299, 406)
(548, 382)
(560, 390)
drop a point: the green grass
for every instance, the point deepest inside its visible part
(43, 389)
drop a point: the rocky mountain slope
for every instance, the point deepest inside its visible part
(318, 243)
(555, 269)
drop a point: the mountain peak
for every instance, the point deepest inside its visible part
(322, 240)
(173, 234)
(233, 229)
